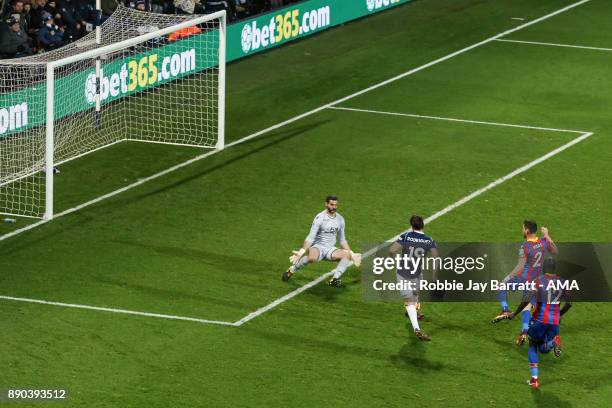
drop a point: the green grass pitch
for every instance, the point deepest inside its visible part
(210, 241)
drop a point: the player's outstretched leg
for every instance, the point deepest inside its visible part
(420, 315)
(556, 344)
(313, 256)
(344, 258)
(411, 312)
(525, 319)
(534, 382)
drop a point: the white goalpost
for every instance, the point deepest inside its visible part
(139, 77)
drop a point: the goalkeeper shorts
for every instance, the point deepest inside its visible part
(325, 252)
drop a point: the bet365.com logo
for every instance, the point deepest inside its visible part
(378, 4)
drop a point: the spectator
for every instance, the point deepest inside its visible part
(140, 5)
(50, 35)
(162, 6)
(18, 13)
(52, 9)
(27, 7)
(185, 6)
(15, 42)
(36, 15)
(72, 19)
(74, 24)
(210, 6)
(87, 11)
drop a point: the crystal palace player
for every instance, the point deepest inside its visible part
(326, 229)
(529, 268)
(544, 329)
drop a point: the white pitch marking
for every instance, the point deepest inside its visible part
(113, 310)
(478, 122)
(583, 47)
(282, 299)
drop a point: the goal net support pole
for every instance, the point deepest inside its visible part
(221, 79)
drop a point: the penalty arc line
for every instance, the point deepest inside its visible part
(296, 118)
(429, 219)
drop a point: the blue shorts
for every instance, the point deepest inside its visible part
(541, 332)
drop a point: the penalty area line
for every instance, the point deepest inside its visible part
(476, 122)
(120, 311)
(580, 47)
(427, 220)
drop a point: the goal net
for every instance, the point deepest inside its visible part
(142, 77)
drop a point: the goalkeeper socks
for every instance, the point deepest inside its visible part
(412, 315)
(300, 264)
(525, 318)
(342, 265)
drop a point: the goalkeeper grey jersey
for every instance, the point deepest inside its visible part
(325, 230)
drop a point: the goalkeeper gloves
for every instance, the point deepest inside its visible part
(356, 258)
(296, 256)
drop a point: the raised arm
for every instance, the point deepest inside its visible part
(552, 247)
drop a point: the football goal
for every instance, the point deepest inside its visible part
(139, 77)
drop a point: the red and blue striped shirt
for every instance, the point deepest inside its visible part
(535, 252)
(549, 296)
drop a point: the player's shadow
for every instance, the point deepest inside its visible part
(43, 233)
(507, 344)
(329, 293)
(165, 294)
(412, 355)
(316, 343)
(229, 263)
(547, 399)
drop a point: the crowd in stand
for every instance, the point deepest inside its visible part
(32, 26)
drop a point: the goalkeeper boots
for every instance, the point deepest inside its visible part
(336, 282)
(421, 335)
(286, 275)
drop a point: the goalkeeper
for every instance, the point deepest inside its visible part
(320, 244)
